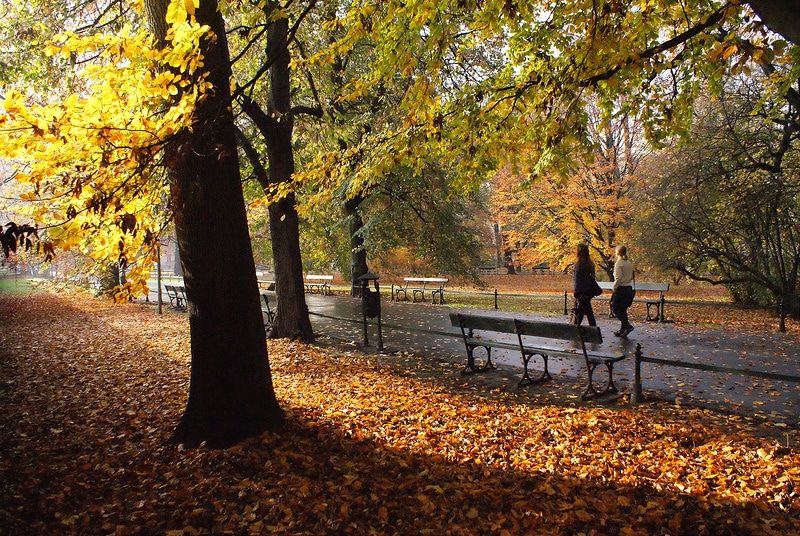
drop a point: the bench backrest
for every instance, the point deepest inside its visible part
(660, 287)
(484, 323)
(657, 287)
(320, 277)
(529, 328)
(559, 330)
(426, 280)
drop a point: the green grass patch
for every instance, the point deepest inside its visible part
(13, 284)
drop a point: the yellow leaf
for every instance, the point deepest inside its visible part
(191, 5)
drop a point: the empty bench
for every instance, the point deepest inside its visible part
(319, 283)
(177, 296)
(418, 286)
(655, 306)
(267, 312)
(536, 338)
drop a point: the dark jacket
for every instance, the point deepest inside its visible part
(583, 280)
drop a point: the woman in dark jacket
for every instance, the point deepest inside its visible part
(584, 285)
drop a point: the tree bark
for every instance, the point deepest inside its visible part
(231, 396)
(358, 255)
(277, 127)
(780, 16)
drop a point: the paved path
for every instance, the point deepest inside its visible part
(769, 352)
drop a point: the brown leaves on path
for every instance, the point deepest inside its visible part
(91, 392)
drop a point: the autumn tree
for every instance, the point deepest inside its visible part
(95, 165)
(557, 58)
(724, 208)
(588, 203)
(231, 395)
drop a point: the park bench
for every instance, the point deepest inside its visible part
(418, 286)
(266, 284)
(655, 306)
(267, 312)
(536, 337)
(177, 296)
(319, 283)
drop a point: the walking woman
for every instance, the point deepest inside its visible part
(584, 285)
(622, 291)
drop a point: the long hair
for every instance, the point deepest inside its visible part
(582, 258)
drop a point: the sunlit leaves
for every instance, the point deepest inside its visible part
(91, 160)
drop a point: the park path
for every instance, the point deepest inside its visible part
(424, 325)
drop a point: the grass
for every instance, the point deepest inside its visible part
(15, 284)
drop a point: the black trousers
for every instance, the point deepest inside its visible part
(583, 307)
(620, 301)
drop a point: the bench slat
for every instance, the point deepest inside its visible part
(488, 323)
(557, 330)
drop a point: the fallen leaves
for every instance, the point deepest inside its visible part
(389, 445)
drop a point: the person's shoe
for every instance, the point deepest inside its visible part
(618, 333)
(627, 331)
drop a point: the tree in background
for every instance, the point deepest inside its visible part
(548, 216)
(725, 207)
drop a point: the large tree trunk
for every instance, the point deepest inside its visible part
(780, 16)
(231, 396)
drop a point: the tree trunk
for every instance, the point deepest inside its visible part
(291, 317)
(358, 255)
(780, 16)
(231, 396)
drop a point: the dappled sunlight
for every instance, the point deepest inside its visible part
(388, 444)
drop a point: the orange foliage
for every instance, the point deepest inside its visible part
(395, 445)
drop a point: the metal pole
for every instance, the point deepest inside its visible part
(380, 335)
(636, 395)
(495, 299)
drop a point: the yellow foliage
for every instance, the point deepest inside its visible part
(93, 157)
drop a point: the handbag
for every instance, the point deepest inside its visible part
(596, 290)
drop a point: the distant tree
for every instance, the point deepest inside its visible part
(589, 203)
(724, 208)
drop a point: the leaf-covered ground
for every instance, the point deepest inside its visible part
(374, 445)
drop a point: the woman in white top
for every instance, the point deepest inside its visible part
(622, 291)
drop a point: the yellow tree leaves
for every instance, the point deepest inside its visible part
(91, 159)
(543, 218)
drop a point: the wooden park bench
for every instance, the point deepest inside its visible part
(267, 312)
(535, 337)
(177, 296)
(655, 306)
(319, 283)
(418, 286)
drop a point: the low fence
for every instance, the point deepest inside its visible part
(637, 391)
(636, 395)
